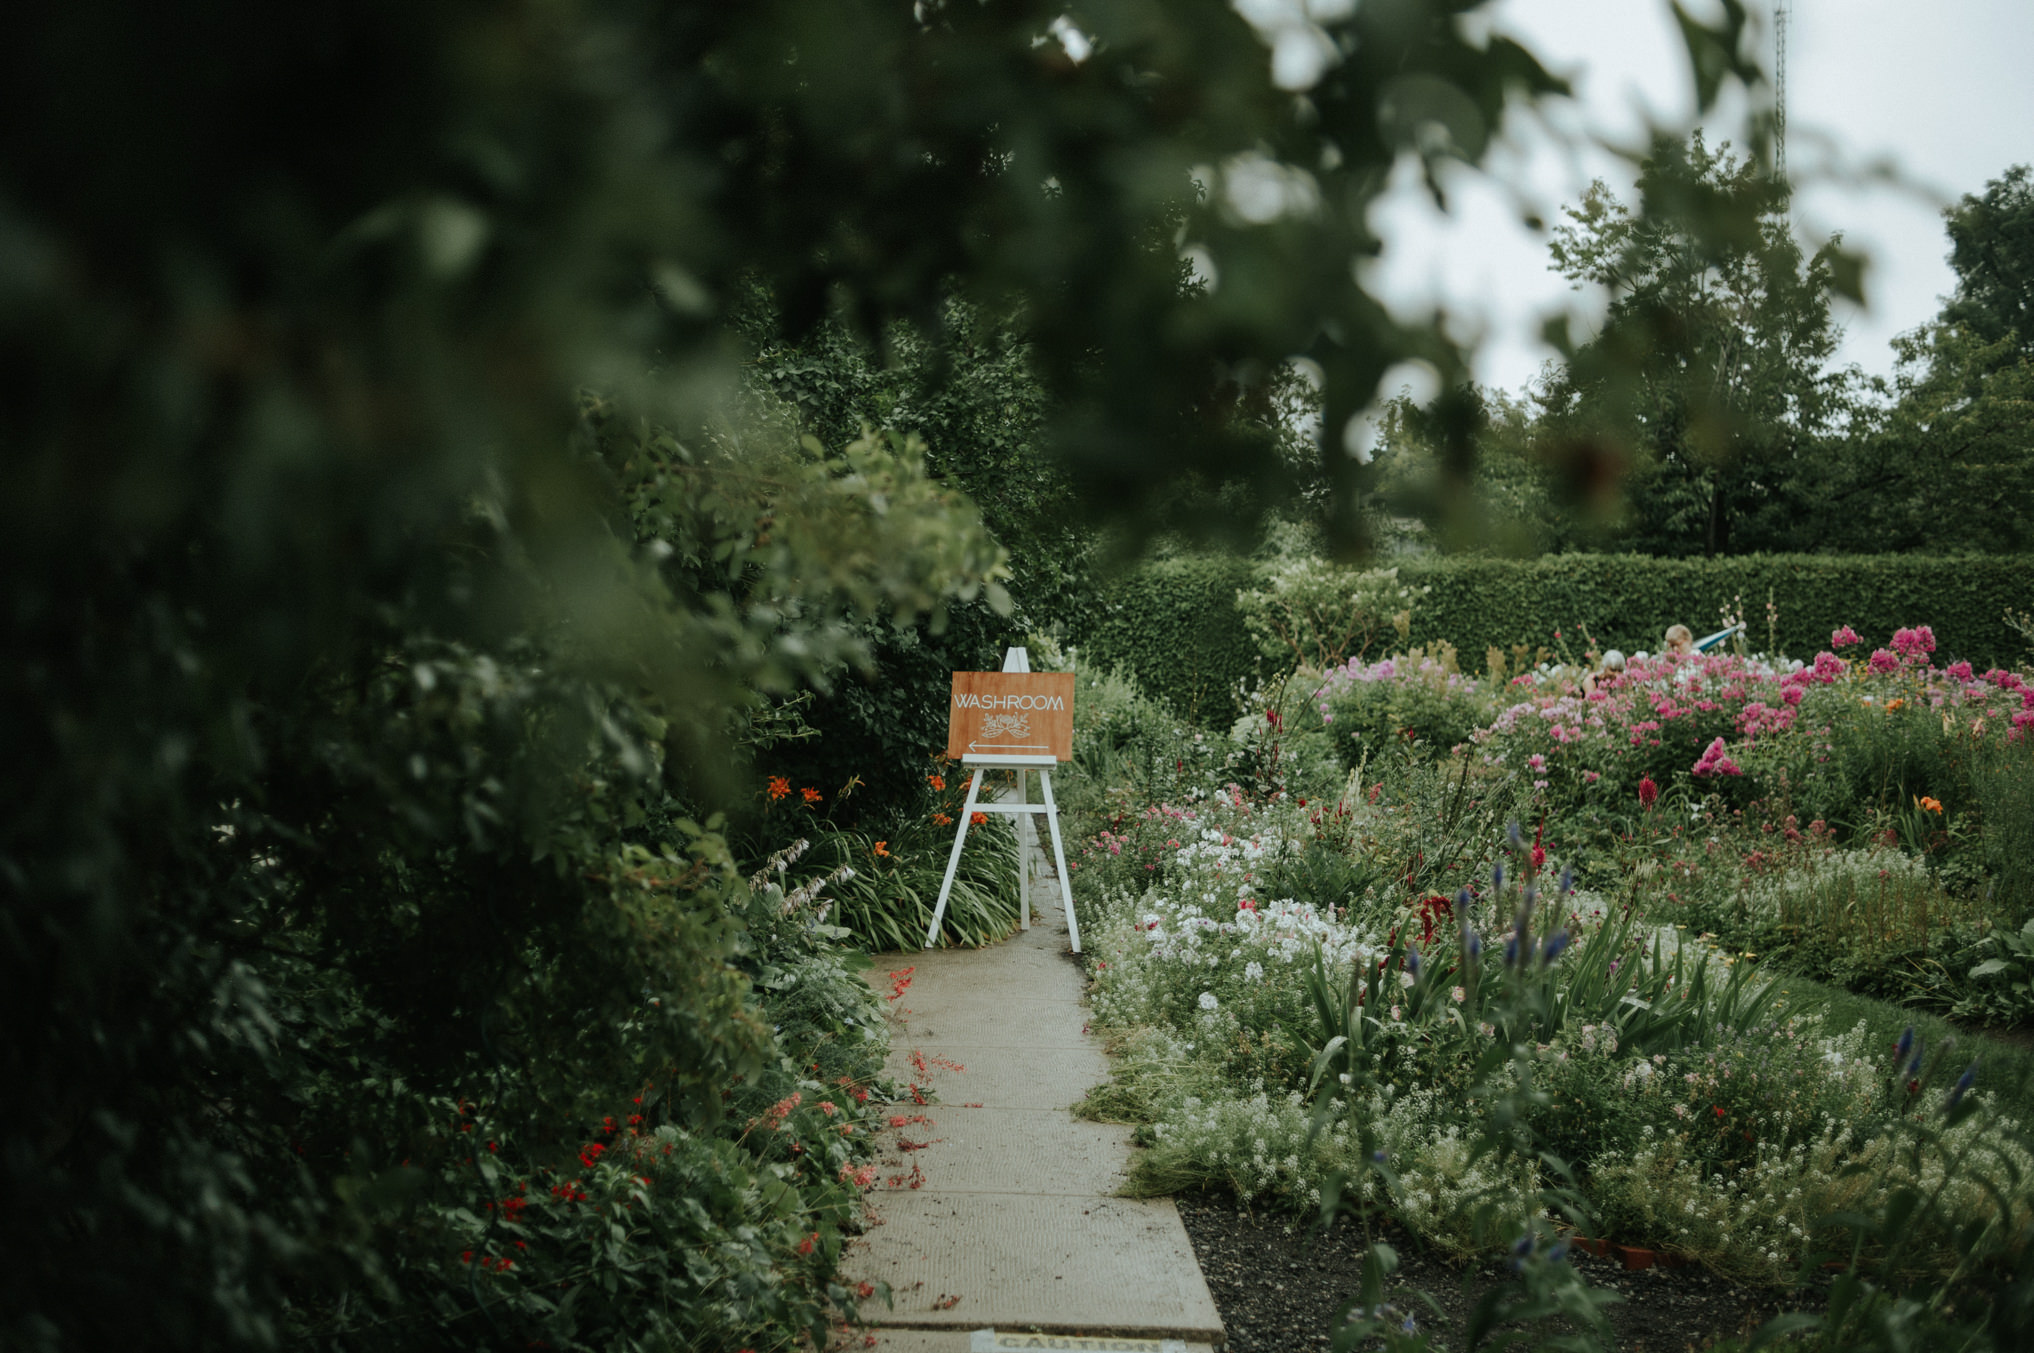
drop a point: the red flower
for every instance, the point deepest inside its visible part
(1649, 793)
(977, 819)
(811, 795)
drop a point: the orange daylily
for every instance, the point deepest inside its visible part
(1927, 804)
(882, 849)
(780, 787)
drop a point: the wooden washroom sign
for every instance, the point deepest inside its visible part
(1026, 715)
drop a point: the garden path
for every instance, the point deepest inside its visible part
(996, 1208)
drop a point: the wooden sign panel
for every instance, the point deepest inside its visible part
(1011, 714)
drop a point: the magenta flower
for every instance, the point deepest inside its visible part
(1843, 637)
(1791, 695)
(1883, 662)
(1959, 671)
(1912, 643)
(1716, 761)
(1828, 667)
(1649, 793)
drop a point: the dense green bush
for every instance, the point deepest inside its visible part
(1627, 601)
(1425, 704)
(1174, 627)
(1178, 625)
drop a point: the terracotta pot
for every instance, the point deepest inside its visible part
(1633, 1257)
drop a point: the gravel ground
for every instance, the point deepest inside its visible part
(1278, 1285)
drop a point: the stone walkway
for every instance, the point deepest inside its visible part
(996, 1208)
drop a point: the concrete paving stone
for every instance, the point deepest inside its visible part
(1014, 1232)
(1006, 1077)
(1011, 1151)
(1019, 957)
(994, 1019)
(1013, 1341)
(1054, 1263)
(987, 986)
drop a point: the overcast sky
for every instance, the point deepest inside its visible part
(1942, 90)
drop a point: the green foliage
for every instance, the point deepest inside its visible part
(1157, 617)
(1627, 601)
(1427, 706)
(1462, 471)
(2009, 996)
(974, 401)
(1172, 625)
(373, 686)
(1991, 246)
(1707, 378)
(1947, 464)
(888, 904)
(1702, 418)
(1307, 612)
(2002, 791)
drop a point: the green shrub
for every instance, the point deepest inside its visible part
(1173, 625)
(887, 904)
(1178, 627)
(1627, 601)
(1411, 700)
(2002, 792)
(1308, 612)
(1111, 718)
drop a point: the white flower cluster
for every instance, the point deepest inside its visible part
(1885, 879)
(1754, 1222)
(1258, 1145)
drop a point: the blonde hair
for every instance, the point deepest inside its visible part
(1679, 634)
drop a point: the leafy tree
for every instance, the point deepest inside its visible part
(1463, 472)
(1991, 246)
(973, 399)
(1947, 465)
(1706, 387)
(1942, 458)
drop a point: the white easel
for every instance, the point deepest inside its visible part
(1016, 660)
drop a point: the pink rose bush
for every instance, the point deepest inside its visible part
(1663, 719)
(1720, 723)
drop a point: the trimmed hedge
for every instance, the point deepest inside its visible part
(1627, 601)
(1174, 624)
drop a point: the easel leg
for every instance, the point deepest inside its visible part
(953, 860)
(1023, 874)
(1073, 927)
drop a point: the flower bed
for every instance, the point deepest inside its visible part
(1304, 1014)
